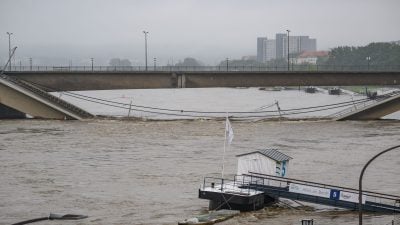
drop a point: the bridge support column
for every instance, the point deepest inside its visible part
(181, 81)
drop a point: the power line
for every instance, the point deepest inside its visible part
(141, 108)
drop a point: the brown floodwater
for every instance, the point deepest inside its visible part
(130, 172)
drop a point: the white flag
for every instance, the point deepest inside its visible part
(229, 131)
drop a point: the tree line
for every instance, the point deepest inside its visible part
(374, 54)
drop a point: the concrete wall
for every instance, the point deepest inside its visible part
(74, 81)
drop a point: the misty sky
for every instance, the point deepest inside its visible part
(209, 30)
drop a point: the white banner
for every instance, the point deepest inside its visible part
(326, 193)
(307, 190)
(350, 197)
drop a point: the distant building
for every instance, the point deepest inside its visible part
(396, 42)
(249, 57)
(260, 48)
(311, 57)
(268, 49)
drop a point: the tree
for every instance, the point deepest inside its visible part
(241, 63)
(189, 62)
(381, 55)
(120, 62)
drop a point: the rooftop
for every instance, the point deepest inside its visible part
(270, 153)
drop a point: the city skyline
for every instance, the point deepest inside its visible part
(206, 30)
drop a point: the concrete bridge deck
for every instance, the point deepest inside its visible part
(27, 98)
(107, 80)
(372, 110)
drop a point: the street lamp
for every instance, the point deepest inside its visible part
(91, 59)
(360, 217)
(145, 47)
(368, 60)
(288, 59)
(9, 47)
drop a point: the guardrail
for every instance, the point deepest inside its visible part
(371, 196)
(230, 68)
(363, 105)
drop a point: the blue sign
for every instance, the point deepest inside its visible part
(335, 194)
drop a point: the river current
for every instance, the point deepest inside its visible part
(149, 172)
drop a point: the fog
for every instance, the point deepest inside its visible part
(73, 31)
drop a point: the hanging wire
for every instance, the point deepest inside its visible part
(180, 112)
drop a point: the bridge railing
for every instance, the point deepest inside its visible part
(363, 105)
(47, 96)
(229, 68)
(228, 186)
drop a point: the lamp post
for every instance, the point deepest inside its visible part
(145, 47)
(9, 47)
(360, 215)
(155, 63)
(368, 60)
(91, 59)
(30, 64)
(288, 59)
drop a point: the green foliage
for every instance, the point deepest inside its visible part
(381, 54)
(189, 62)
(120, 62)
(241, 63)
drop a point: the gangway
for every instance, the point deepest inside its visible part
(376, 108)
(255, 187)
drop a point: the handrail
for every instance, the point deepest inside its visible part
(231, 68)
(316, 184)
(46, 95)
(363, 105)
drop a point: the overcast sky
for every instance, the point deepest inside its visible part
(209, 30)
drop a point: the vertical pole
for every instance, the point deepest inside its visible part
(279, 109)
(92, 63)
(145, 47)
(288, 58)
(155, 63)
(223, 155)
(130, 108)
(360, 212)
(227, 64)
(30, 64)
(9, 48)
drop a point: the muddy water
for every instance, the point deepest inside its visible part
(125, 172)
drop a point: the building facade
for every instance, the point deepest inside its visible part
(268, 49)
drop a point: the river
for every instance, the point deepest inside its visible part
(149, 172)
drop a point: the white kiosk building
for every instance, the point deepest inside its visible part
(268, 161)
